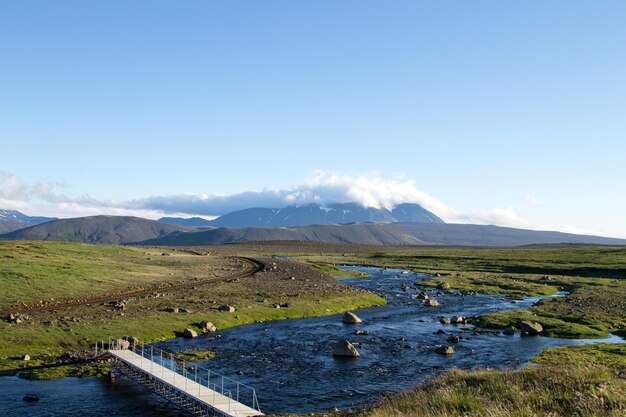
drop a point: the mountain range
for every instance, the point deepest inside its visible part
(312, 214)
(11, 220)
(407, 224)
(385, 234)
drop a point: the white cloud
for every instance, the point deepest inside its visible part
(323, 187)
(499, 217)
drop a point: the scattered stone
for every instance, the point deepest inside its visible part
(445, 320)
(132, 340)
(509, 331)
(422, 296)
(431, 303)
(207, 326)
(440, 331)
(443, 286)
(25, 357)
(453, 338)
(444, 350)
(174, 310)
(226, 308)
(276, 305)
(344, 348)
(361, 332)
(349, 317)
(30, 398)
(458, 320)
(530, 328)
(121, 344)
(189, 334)
(11, 318)
(285, 305)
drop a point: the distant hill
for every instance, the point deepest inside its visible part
(364, 233)
(187, 222)
(311, 214)
(486, 235)
(11, 220)
(385, 234)
(95, 229)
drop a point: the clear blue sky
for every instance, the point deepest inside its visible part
(484, 104)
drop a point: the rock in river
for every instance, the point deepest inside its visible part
(344, 348)
(445, 350)
(443, 286)
(189, 334)
(431, 303)
(30, 398)
(349, 317)
(509, 331)
(530, 328)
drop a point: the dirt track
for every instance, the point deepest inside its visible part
(252, 266)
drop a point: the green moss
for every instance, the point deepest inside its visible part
(331, 269)
(195, 355)
(612, 355)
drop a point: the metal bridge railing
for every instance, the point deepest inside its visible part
(218, 383)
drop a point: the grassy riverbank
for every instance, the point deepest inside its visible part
(74, 272)
(595, 277)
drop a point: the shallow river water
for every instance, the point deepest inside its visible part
(290, 362)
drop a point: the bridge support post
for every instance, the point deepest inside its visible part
(110, 378)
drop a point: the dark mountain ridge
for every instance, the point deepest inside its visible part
(314, 214)
(95, 229)
(385, 234)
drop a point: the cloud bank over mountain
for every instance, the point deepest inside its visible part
(322, 187)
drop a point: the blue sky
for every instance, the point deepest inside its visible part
(509, 113)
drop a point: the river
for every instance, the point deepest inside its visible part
(290, 362)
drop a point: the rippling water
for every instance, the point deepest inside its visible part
(290, 362)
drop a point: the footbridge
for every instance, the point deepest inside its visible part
(196, 390)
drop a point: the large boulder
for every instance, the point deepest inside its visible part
(445, 320)
(444, 350)
(132, 340)
(25, 357)
(530, 328)
(345, 349)
(443, 286)
(189, 334)
(431, 303)
(226, 308)
(207, 326)
(120, 344)
(422, 296)
(349, 317)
